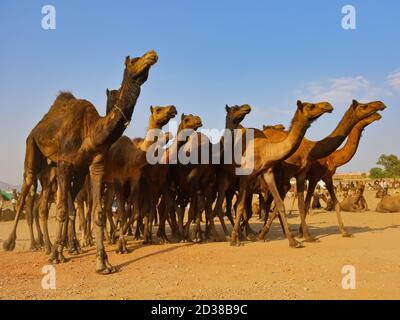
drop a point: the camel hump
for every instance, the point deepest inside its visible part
(64, 96)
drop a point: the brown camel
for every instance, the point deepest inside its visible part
(354, 203)
(226, 177)
(123, 167)
(76, 138)
(267, 154)
(300, 162)
(388, 202)
(186, 182)
(325, 168)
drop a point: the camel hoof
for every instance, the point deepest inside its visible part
(106, 270)
(311, 239)
(57, 258)
(347, 235)
(121, 247)
(251, 237)
(34, 247)
(9, 244)
(296, 245)
(164, 240)
(75, 248)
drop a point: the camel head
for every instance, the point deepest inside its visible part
(312, 111)
(358, 111)
(160, 115)
(368, 120)
(236, 114)
(138, 68)
(112, 96)
(189, 121)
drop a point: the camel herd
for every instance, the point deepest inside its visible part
(85, 165)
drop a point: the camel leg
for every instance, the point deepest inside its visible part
(312, 183)
(302, 210)
(108, 200)
(270, 180)
(44, 215)
(64, 183)
(29, 216)
(31, 158)
(223, 185)
(240, 212)
(262, 207)
(250, 234)
(331, 190)
(228, 197)
(191, 216)
(121, 243)
(74, 245)
(39, 240)
(164, 208)
(96, 178)
(80, 209)
(210, 214)
(292, 206)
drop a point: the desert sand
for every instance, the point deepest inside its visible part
(256, 270)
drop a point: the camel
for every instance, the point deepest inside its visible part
(388, 203)
(124, 163)
(354, 203)
(76, 138)
(301, 161)
(267, 154)
(185, 182)
(226, 176)
(325, 168)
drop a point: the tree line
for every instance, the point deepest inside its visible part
(389, 167)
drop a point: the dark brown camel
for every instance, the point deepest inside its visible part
(123, 168)
(226, 177)
(76, 138)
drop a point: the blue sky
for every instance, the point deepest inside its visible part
(212, 53)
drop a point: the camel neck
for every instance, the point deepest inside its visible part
(230, 125)
(111, 127)
(326, 146)
(344, 155)
(151, 137)
(283, 150)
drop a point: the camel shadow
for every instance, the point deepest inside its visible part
(166, 250)
(276, 233)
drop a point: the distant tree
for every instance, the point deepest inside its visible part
(376, 173)
(389, 167)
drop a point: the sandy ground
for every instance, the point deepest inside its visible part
(256, 270)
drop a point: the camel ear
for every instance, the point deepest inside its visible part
(182, 116)
(127, 59)
(354, 103)
(151, 109)
(299, 105)
(227, 108)
(107, 92)
(264, 127)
